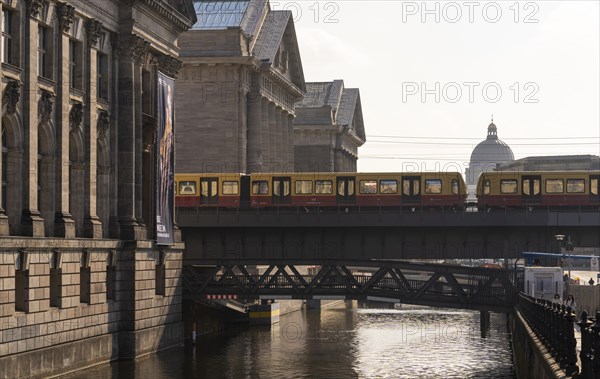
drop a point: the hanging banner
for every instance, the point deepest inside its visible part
(165, 154)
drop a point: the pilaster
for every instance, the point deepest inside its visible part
(290, 142)
(131, 49)
(3, 219)
(64, 226)
(92, 227)
(254, 134)
(272, 147)
(32, 222)
(264, 127)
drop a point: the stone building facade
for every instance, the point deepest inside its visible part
(329, 128)
(553, 163)
(81, 278)
(241, 77)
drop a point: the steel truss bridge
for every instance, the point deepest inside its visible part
(428, 284)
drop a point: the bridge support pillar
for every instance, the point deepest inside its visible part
(484, 323)
(264, 314)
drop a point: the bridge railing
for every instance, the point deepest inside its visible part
(590, 346)
(553, 323)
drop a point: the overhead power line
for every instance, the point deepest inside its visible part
(479, 139)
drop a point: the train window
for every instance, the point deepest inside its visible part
(388, 186)
(487, 187)
(260, 187)
(575, 185)
(433, 186)
(323, 186)
(208, 187)
(554, 186)
(187, 188)
(508, 186)
(594, 186)
(304, 187)
(368, 186)
(231, 188)
(528, 183)
(455, 187)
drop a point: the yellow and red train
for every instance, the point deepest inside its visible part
(556, 189)
(427, 189)
(495, 190)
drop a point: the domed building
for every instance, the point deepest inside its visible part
(487, 155)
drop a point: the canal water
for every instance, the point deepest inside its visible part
(338, 342)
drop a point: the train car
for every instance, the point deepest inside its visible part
(557, 189)
(211, 190)
(431, 189)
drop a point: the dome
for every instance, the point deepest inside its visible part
(487, 154)
(492, 149)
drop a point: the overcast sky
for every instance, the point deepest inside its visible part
(463, 53)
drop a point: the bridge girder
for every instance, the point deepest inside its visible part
(423, 284)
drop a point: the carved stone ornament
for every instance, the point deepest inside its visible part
(169, 64)
(45, 106)
(103, 124)
(76, 117)
(34, 7)
(149, 134)
(94, 31)
(11, 97)
(66, 14)
(132, 46)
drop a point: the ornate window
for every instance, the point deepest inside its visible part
(75, 64)
(102, 75)
(8, 36)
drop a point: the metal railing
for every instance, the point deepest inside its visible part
(590, 346)
(553, 324)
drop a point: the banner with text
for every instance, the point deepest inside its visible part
(165, 169)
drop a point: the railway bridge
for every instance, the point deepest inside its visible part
(313, 236)
(220, 244)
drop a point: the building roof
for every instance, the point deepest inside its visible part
(492, 149)
(219, 14)
(344, 103)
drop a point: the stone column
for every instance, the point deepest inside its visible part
(92, 227)
(255, 141)
(131, 50)
(278, 135)
(273, 138)
(32, 222)
(3, 218)
(243, 130)
(264, 127)
(290, 142)
(64, 226)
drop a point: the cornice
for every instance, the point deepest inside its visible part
(170, 13)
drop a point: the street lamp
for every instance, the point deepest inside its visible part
(568, 247)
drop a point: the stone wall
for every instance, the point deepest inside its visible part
(49, 334)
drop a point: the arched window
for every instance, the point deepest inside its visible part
(46, 175)
(12, 179)
(76, 180)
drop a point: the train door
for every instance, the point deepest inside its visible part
(346, 186)
(411, 189)
(282, 186)
(531, 189)
(245, 191)
(209, 190)
(594, 188)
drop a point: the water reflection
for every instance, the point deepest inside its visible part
(338, 343)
